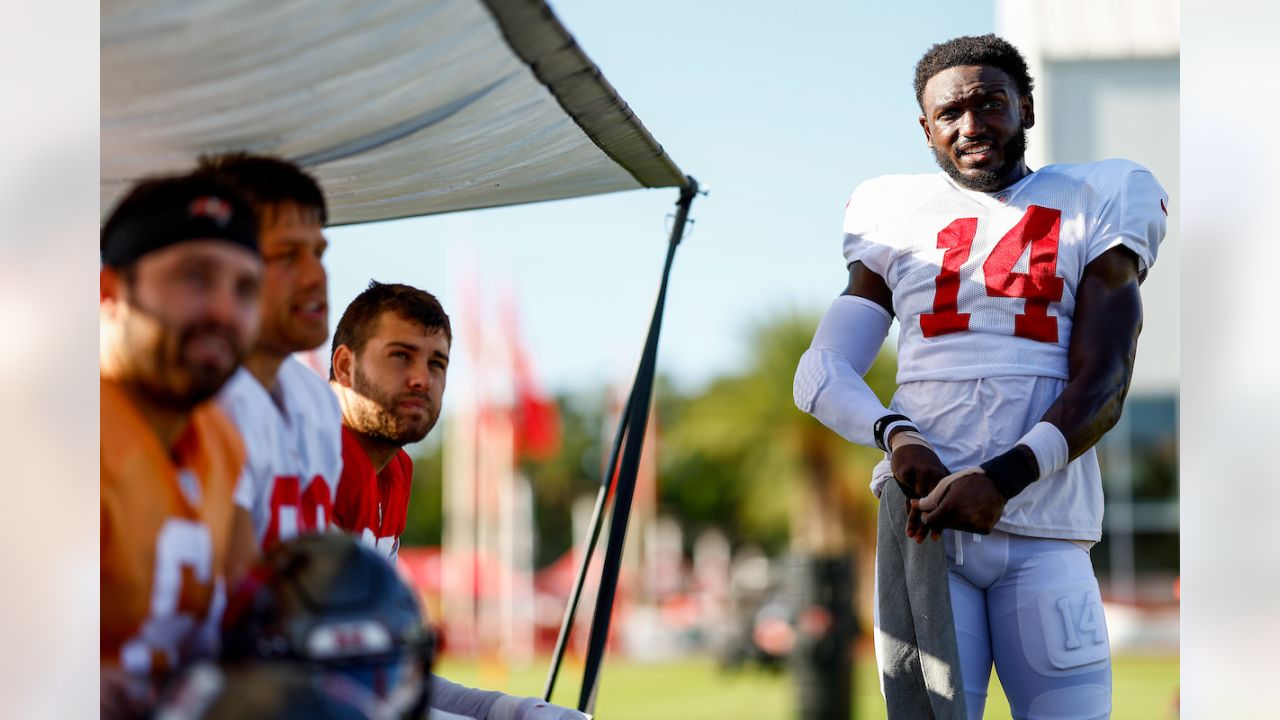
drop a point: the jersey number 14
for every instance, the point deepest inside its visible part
(1039, 286)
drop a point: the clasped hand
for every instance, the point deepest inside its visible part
(938, 500)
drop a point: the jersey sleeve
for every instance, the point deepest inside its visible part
(244, 493)
(1135, 216)
(234, 403)
(862, 241)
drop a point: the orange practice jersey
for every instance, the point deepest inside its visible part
(166, 524)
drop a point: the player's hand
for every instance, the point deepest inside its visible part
(966, 500)
(917, 470)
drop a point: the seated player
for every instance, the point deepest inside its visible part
(178, 307)
(389, 364)
(285, 412)
(390, 358)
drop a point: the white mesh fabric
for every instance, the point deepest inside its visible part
(303, 441)
(895, 224)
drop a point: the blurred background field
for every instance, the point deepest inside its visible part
(1145, 688)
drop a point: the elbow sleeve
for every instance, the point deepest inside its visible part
(829, 383)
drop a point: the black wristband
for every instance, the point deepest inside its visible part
(878, 429)
(1012, 472)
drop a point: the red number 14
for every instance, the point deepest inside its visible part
(1039, 286)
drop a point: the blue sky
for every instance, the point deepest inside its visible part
(778, 112)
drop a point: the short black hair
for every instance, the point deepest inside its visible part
(361, 316)
(267, 182)
(986, 49)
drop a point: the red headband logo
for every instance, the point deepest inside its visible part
(212, 207)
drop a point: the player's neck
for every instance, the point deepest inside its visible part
(265, 366)
(167, 423)
(1016, 175)
(379, 450)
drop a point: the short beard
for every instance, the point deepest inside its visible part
(377, 419)
(988, 181)
(165, 377)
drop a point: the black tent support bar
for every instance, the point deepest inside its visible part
(623, 464)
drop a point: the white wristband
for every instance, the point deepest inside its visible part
(1049, 446)
(888, 430)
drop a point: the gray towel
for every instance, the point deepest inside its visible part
(916, 636)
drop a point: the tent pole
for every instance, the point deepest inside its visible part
(633, 441)
(611, 468)
(589, 547)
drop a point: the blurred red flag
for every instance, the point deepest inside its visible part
(536, 415)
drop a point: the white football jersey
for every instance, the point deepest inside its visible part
(984, 288)
(985, 284)
(293, 449)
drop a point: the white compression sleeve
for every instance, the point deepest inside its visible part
(829, 383)
(450, 697)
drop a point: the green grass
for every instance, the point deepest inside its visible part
(1143, 688)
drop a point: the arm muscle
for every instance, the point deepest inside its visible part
(1104, 341)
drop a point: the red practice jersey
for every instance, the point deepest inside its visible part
(372, 505)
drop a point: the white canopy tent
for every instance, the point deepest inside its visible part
(399, 107)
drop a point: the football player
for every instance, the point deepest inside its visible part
(285, 412)
(1017, 296)
(178, 310)
(389, 362)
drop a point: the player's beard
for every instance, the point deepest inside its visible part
(377, 416)
(164, 369)
(988, 181)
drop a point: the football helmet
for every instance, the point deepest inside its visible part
(326, 601)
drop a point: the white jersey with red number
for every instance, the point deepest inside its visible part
(294, 450)
(984, 287)
(985, 284)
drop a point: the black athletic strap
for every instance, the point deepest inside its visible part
(879, 428)
(1013, 471)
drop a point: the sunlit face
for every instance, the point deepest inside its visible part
(975, 122)
(398, 380)
(295, 305)
(182, 319)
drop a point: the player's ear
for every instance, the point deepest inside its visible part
(1028, 108)
(928, 134)
(110, 285)
(343, 361)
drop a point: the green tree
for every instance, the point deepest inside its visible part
(743, 456)
(571, 473)
(424, 523)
